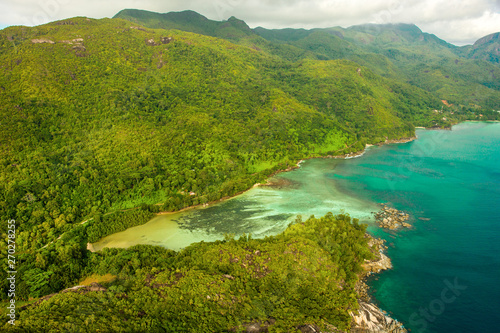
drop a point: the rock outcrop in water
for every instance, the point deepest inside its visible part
(391, 218)
(381, 262)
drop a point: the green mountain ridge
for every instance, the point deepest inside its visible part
(189, 21)
(486, 48)
(398, 51)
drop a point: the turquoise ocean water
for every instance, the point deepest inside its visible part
(446, 275)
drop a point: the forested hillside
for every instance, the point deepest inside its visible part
(105, 122)
(464, 76)
(304, 276)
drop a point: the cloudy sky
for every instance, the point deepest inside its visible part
(456, 21)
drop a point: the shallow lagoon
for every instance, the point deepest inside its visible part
(261, 211)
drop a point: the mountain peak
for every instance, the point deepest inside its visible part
(486, 48)
(187, 15)
(188, 20)
(495, 37)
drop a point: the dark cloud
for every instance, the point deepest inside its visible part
(455, 21)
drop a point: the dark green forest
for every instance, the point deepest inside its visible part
(104, 123)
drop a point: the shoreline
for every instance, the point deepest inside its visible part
(369, 317)
(481, 121)
(291, 168)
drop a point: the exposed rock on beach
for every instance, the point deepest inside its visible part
(369, 318)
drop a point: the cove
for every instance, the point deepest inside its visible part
(446, 268)
(261, 211)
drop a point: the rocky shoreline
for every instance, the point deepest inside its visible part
(369, 318)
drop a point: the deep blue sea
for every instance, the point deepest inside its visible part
(446, 275)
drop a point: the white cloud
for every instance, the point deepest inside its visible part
(455, 21)
(470, 29)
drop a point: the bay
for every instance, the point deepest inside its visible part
(446, 268)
